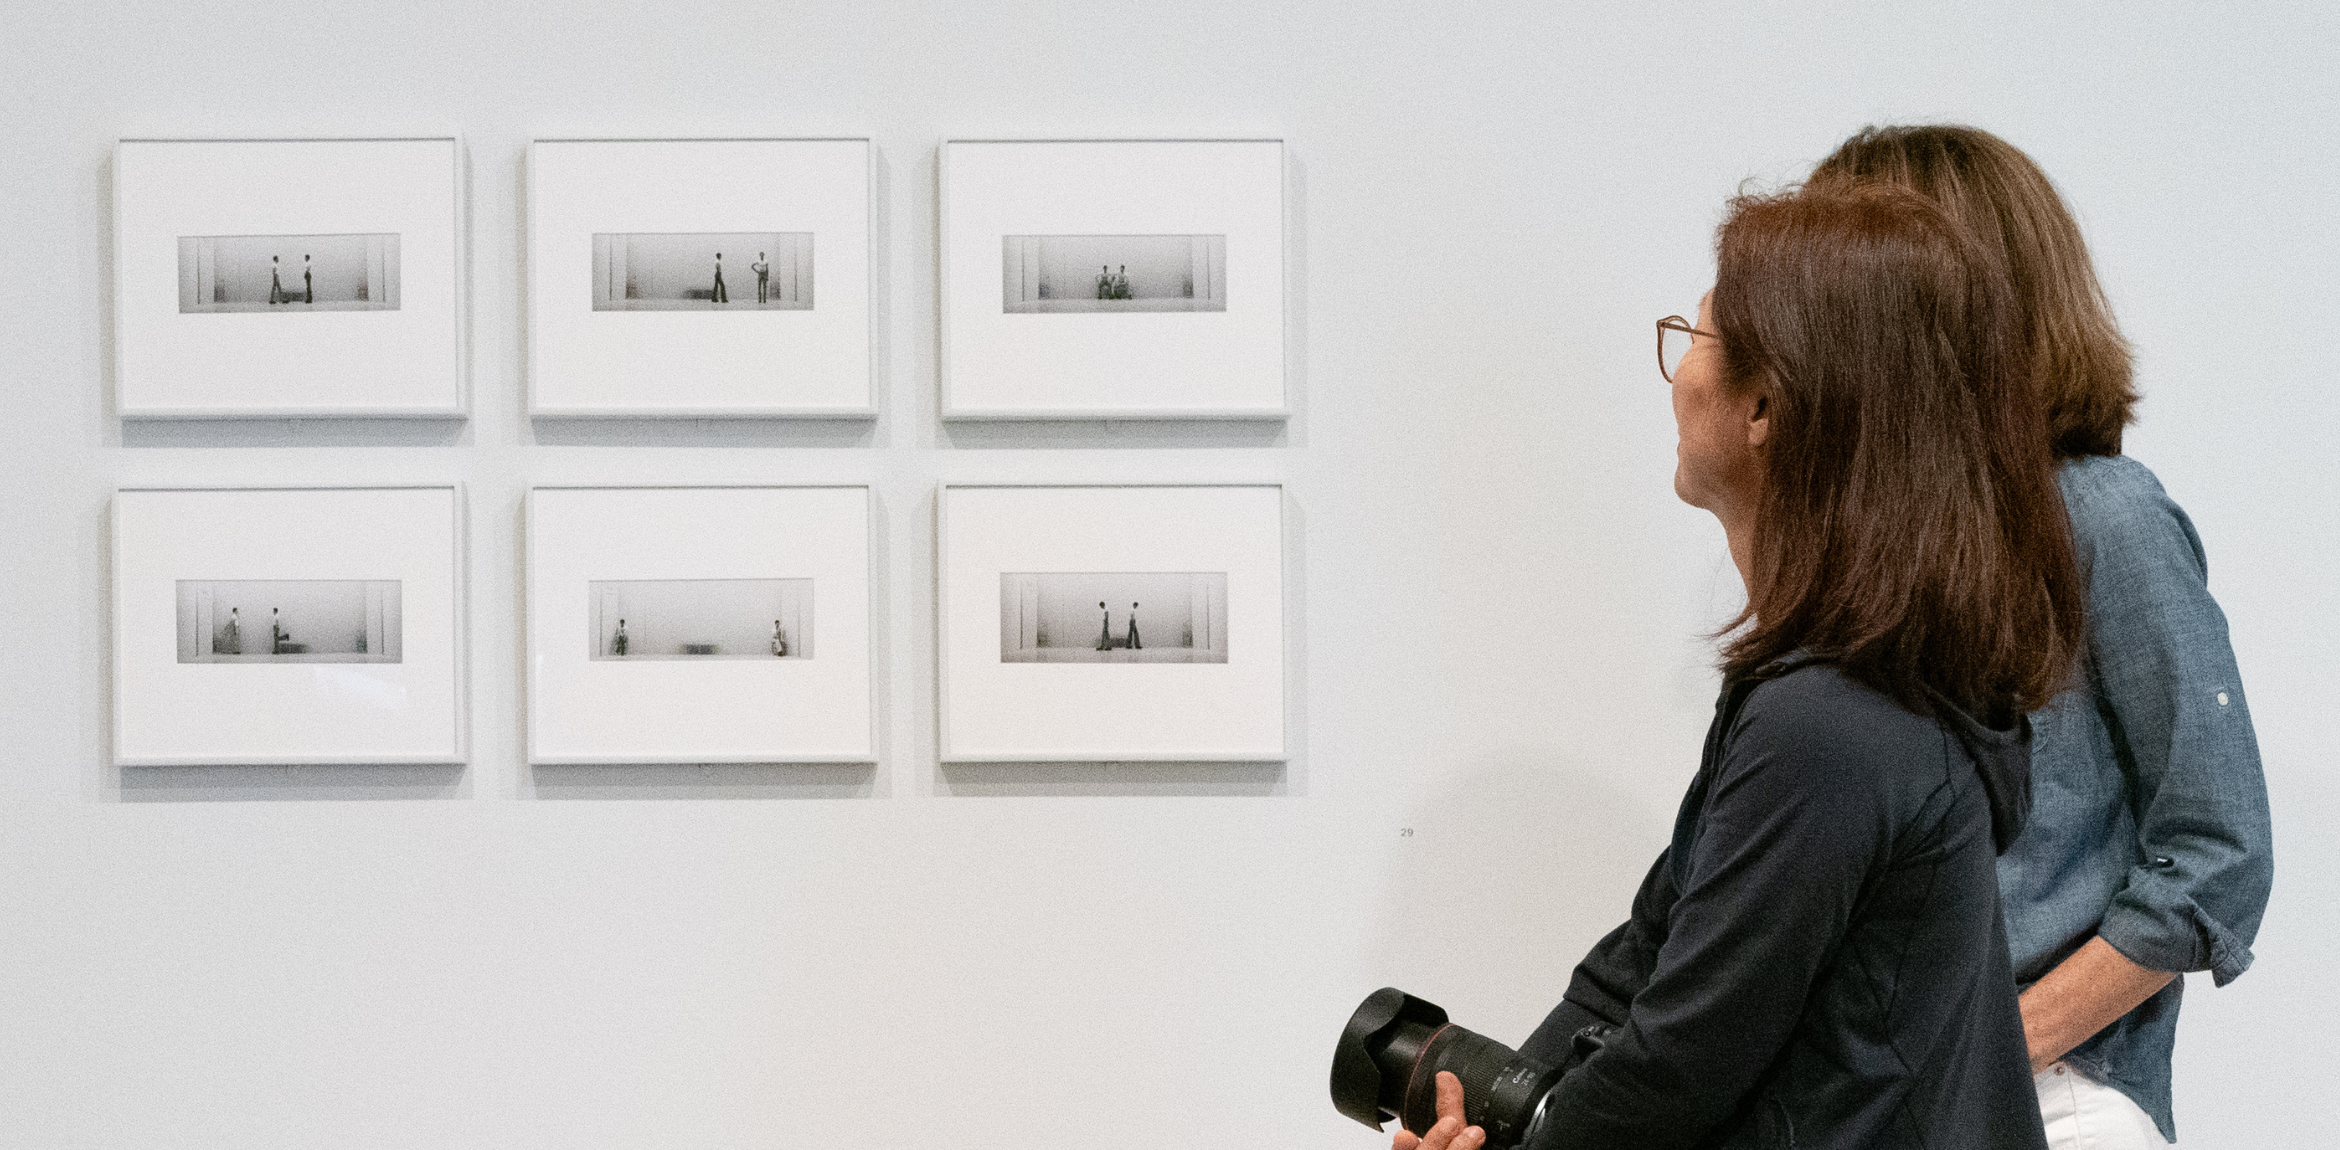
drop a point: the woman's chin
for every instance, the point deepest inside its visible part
(1687, 492)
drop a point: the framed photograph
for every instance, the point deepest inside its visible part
(1112, 279)
(699, 278)
(274, 278)
(699, 625)
(282, 625)
(1103, 624)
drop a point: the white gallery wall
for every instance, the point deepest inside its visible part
(1495, 603)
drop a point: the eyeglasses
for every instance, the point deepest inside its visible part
(1674, 341)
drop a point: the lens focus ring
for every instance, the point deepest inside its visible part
(1474, 1058)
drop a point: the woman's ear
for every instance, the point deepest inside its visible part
(1759, 421)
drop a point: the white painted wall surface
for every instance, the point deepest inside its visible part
(1496, 600)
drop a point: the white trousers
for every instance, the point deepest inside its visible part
(2084, 1114)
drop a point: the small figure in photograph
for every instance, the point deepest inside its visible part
(779, 641)
(1121, 283)
(276, 282)
(1105, 629)
(617, 644)
(231, 637)
(1133, 643)
(278, 636)
(763, 270)
(720, 295)
(308, 281)
(1104, 288)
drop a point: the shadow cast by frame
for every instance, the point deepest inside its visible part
(1106, 779)
(1121, 431)
(648, 781)
(323, 782)
(856, 431)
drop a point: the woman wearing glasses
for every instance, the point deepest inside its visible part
(2149, 850)
(1817, 959)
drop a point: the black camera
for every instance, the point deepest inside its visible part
(1386, 1066)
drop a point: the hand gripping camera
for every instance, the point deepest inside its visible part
(1386, 1066)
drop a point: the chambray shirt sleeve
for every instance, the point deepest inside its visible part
(2165, 675)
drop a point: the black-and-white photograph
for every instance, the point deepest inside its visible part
(1114, 273)
(286, 274)
(702, 271)
(636, 619)
(1113, 617)
(289, 621)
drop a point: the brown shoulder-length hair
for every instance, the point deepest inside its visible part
(1909, 526)
(2077, 357)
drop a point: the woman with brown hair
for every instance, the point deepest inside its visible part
(2149, 850)
(1817, 959)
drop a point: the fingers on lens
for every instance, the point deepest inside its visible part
(1450, 1093)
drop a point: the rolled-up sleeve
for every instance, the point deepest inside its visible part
(2166, 675)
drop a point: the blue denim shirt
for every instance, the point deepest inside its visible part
(2149, 822)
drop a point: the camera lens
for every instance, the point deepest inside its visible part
(1479, 1061)
(1387, 1062)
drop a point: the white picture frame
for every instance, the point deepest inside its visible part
(1194, 328)
(698, 568)
(364, 662)
(214, 316)
(627, 242)
(1204, 680)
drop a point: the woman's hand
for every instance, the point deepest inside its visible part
(1448, 1133)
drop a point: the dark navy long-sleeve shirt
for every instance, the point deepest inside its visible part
(1818, 958)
